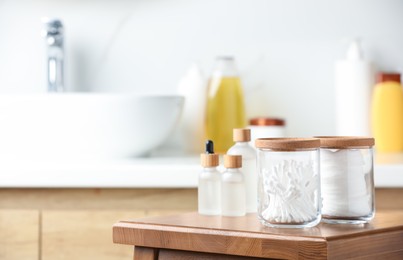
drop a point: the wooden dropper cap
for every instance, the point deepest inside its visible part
(241, 135)
(232, 161)
(209, 159)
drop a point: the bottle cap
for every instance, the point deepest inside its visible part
(354, 51)
(232, 161)
(266, 121)
(241, 135)
(209, 160)
(225, 67)
(388, 76)
(287, 144)
(345, 141)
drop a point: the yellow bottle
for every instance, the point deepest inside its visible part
(387, 113)
(225, 104)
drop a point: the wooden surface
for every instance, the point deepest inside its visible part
(104, 199)
(19, 234)
(388, 199)
(134, 199)
(60, 224)
(82, 235)
(33, 221)
(145, 253)
(168, 254)
(87, 233)
(245, 236)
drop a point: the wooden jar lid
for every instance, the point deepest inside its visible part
(287, 144)
(241, 135)
(345, 141)
(209, 159)
(232, 161)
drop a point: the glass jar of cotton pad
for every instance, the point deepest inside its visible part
(347, 179)
(288, 182)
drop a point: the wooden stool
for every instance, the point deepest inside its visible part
(193, 236)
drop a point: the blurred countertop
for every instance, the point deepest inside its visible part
(152, 172)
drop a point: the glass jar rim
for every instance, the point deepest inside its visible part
(287, 144)
(345, 141)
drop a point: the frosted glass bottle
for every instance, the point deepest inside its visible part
(233, 188)
(242, 147)
(209, 190)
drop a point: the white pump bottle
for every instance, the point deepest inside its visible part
(354, 79)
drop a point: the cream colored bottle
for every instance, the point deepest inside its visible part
(387, 113)
(242, 147)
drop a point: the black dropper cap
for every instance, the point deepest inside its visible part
(209, 146)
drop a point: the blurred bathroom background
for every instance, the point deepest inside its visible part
(285, 50)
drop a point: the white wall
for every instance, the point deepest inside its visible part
(285, 49)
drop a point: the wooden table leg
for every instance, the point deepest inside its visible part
(145, 253)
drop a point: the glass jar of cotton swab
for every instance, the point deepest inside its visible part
(288, 182)
(347, 179)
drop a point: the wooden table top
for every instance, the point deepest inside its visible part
(246, 236)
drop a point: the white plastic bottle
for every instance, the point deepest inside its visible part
(233, 187)
(191, 127)
(209, 190)
(242, 147)
(354, 79)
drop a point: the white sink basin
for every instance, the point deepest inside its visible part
(83, 126)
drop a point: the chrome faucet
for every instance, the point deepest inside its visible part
(53, 33)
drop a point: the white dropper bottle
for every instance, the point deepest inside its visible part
(354, 79)
(233, 187)
(241, 137)
(209, 190)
